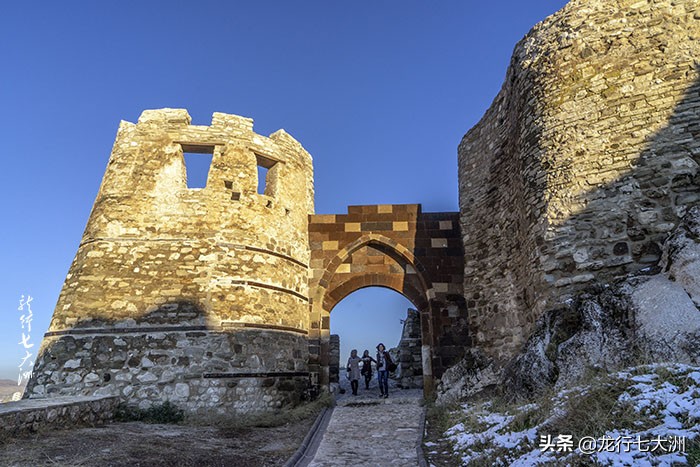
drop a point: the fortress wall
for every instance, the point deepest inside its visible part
(199, 370)
(583, 164)
(32, 416)
(172, 286)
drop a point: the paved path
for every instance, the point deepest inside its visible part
(365, 430)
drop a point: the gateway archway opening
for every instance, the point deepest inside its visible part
(416, 254)
(367, 317)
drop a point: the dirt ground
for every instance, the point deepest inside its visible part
(142, 444)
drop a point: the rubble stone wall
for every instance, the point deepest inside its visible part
(409, 372)
(586, 160)
(31, 416)
(198, 295)
(334, 358)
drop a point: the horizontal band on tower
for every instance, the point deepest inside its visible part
(166, 329)
(266, 251)
(280, 374)
(129, 330)
(276, 288)
(274, 327)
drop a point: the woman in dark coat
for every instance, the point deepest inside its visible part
(367, 367)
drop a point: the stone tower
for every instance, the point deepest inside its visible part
(583, 165)
(198, 296)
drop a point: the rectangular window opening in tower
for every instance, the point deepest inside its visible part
(198, 159)
(267, 173)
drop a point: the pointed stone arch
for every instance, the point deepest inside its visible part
(416, 292)
(399, 248)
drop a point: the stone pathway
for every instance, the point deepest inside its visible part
(365, 430)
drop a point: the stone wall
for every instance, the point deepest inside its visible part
(197, 369)
(334, 358)
(407, 355)
(30, 416)
(194, 295)
(584, 163)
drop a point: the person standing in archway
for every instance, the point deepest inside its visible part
(383, 364)
(367, 367)
(354, 371)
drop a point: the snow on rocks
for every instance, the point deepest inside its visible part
(662, 428)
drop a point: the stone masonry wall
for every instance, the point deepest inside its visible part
(197, 370)
(195, 295)
(30, 416)
(584, 163)
(407, 355)
(334, 358)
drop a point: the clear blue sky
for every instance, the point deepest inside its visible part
(380, 94)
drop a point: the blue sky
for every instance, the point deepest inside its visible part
(380, 93)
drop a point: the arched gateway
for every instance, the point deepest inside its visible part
(398, 247)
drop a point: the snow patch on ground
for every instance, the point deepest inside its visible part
(665, 398)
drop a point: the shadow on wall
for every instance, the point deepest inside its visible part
(619, 226)
(83, 359)
(567, 205)
(594, 294)
(183, 312)
(619, 308)
(169, 355)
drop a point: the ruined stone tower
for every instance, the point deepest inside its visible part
(198, 296)
(585, 162)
